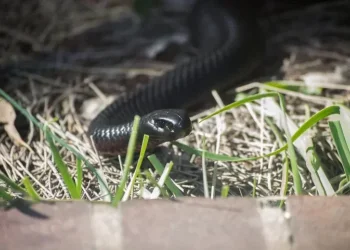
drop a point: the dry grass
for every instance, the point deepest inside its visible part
(114, 59)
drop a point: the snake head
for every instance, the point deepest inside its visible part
(166, 125)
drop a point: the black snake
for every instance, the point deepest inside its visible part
(231, 46)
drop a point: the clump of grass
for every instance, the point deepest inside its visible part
(333, 111)
(75, 188)
(338, 114)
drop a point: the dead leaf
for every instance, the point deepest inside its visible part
(8, 117)
(93, 106)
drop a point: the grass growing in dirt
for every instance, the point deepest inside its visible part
(243, 149)
(295, 146)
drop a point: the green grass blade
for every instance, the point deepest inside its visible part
(341, 145)
(224, 191)
(4, 195)
(79, 182)
(12, 184)
(104, 192)
(315, 162)
(331, 110)
(254, 188)
(292, 155)
(296, 86)
(31, 191)
(344, 119)
(128, 161)
(56, 138)
(280, 139)
(342, 185)
(240, 102)
(168, 182)
(138, 165)
(62, 167)
(284, 185)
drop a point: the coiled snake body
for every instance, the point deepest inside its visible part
(231, 47)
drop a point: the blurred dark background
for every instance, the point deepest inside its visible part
(106, 32)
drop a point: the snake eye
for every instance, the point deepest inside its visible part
(164, 124)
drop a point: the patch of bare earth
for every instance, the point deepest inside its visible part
(109, 50)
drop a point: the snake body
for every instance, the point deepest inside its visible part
(231, 47)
